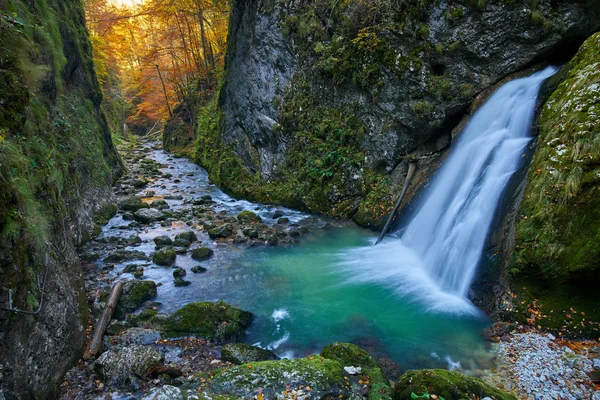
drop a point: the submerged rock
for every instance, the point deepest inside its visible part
(239, 353)
(216, 321)
(448, 384)
(202, 253)
(148, 215)
(198, 269)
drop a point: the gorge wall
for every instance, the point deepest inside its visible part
(324, 103)
(57, 165)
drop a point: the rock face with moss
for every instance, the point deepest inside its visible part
(447, 384)
(325, 102)
(557, 232)
(57, 164)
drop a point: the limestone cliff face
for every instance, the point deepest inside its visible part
(325, 102)
(57, 164)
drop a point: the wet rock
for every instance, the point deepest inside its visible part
(132, 204)
(179, 242)
(165, 392)
(202, 253)
(128, 216)
(134, 294)
(246, 217)
(220, 232)
(173, 197)
(130, 269)
(148, 215)
(139, 183)
(180, 250)
(179, 272)
(121, 366)
(163, 241)
(160, 204)
(190, 236)
(239, 353)
(139, 336)
(251, 232)
(215, 321)
(164, 256)
(444, 383)
(198, 269)
(180, 282)
(283, 220)
(124, 255)
(277, 214)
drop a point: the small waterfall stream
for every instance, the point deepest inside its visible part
(435, 256)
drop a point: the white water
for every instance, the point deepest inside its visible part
(434, 259)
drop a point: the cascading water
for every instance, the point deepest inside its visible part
(434, 258)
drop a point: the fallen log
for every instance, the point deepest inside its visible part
(411, 170)
(96, 343)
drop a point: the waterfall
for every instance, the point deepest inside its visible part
(435, 257)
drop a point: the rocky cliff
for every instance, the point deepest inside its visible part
(325, 102)
(57, 164)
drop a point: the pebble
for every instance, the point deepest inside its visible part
(535, 367)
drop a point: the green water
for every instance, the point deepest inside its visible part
(302, 301)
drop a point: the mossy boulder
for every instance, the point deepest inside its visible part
(125, 255)
(215, 321)
(198, 269)
(202, 253)
(349, 354)
(447, 384)
(323, 376)
(134, 294)
(248, 217)
(148, 215)
(164, 256)
(239, 353)
(105, 214)
(163, 241)
(179, 242)
(132, 204)
(220, 232)
(188, 235)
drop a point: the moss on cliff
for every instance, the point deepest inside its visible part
(558, 232)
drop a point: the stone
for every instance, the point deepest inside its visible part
(180, 242)
(215, 321)
(148, 215)
(220, 232)
(246, 217)
(119, 361)
(163, 240)
(139, 336)
(444, 383)
(124, 255)
(132, 204)
(239, 353)
(283, 220)
(198, 269)
(165, 392)
(251, 232)
(160, 204)
(202, 253)
(179, 282)
(179, 272)
(190, 236)
(134, 294)
(164, 256)
(277, 214)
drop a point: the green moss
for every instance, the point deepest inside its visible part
(447, 384)
(202, 253)
(216, 321)
(558, 231)
(164, 256)
(239, 353)
(134, 294)
(248, 216)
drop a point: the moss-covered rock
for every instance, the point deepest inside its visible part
(239, 353)
(202, 253)
(190, 236)
(163, 241)
(248, 217)
(557, 232)
(220, 232)
(134, 294)
(132, 204)
(349, 354)
(164, 256)
(125, 255)
(447, 384)
(216, 321)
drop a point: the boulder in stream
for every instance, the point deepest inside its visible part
(202, 253)
(134, 294)
(164, 256)
(240, 353)
(132, 204)
(148, 215)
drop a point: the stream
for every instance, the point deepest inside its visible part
(301, 294)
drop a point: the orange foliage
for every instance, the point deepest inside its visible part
(155, 50)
